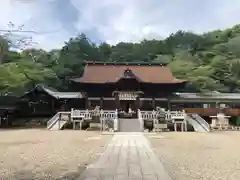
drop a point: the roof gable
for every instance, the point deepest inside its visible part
(128, 74)
(111, 73)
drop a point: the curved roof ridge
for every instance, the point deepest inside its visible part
(99, 74)
(128, 73)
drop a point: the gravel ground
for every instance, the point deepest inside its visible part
(51, 155)
(199, 156)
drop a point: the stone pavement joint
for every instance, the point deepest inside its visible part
(128, 156)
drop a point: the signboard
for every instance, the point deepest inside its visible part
(128, 95)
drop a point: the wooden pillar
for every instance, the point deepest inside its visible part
(101, 103)
(137, 103)
(60, 118)
(65, 105)
(169, 104)
(53, 109)
(117, 102)
(153, 103)
(86, 102)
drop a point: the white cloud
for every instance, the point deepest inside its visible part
(119, 20)
(37, 17)
(134, 20)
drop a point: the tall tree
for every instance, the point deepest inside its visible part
(4, 47)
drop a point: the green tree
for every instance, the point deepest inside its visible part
(4, 47)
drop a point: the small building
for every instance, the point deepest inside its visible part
(208, 104)
(7, 109)
(45, 101)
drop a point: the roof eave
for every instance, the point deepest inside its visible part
(125, 63)
(143, 82)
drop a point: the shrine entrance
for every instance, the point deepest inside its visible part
(127, 103)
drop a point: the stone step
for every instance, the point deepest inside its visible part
(129, 125)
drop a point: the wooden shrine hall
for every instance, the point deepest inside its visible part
(127, 86)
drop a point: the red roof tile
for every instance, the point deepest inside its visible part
(111, 73)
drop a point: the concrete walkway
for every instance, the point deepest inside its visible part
(127, 156)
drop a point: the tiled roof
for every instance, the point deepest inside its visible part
(65, 95)
(59, 95)
(111, 73)
(210, 95)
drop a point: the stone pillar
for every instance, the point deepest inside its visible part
(115, 122)
(175, 126)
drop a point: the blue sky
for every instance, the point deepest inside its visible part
(116, 20)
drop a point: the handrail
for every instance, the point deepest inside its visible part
(197, 127)
(201, 121)
(53, 120)
(174, 114)
(199, 118)
(85, 114)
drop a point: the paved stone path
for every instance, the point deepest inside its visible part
(127, 157)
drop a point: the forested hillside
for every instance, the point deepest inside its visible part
(210, 61)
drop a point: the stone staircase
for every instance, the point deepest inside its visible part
(58, 125)
(201, 121)
(55, 123)
(198, 123)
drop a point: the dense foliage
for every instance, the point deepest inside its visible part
(209, 61)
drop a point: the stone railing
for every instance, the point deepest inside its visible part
(170, 115)
(149, 115)
(109, 115)
(84, 114)
(103, 115)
